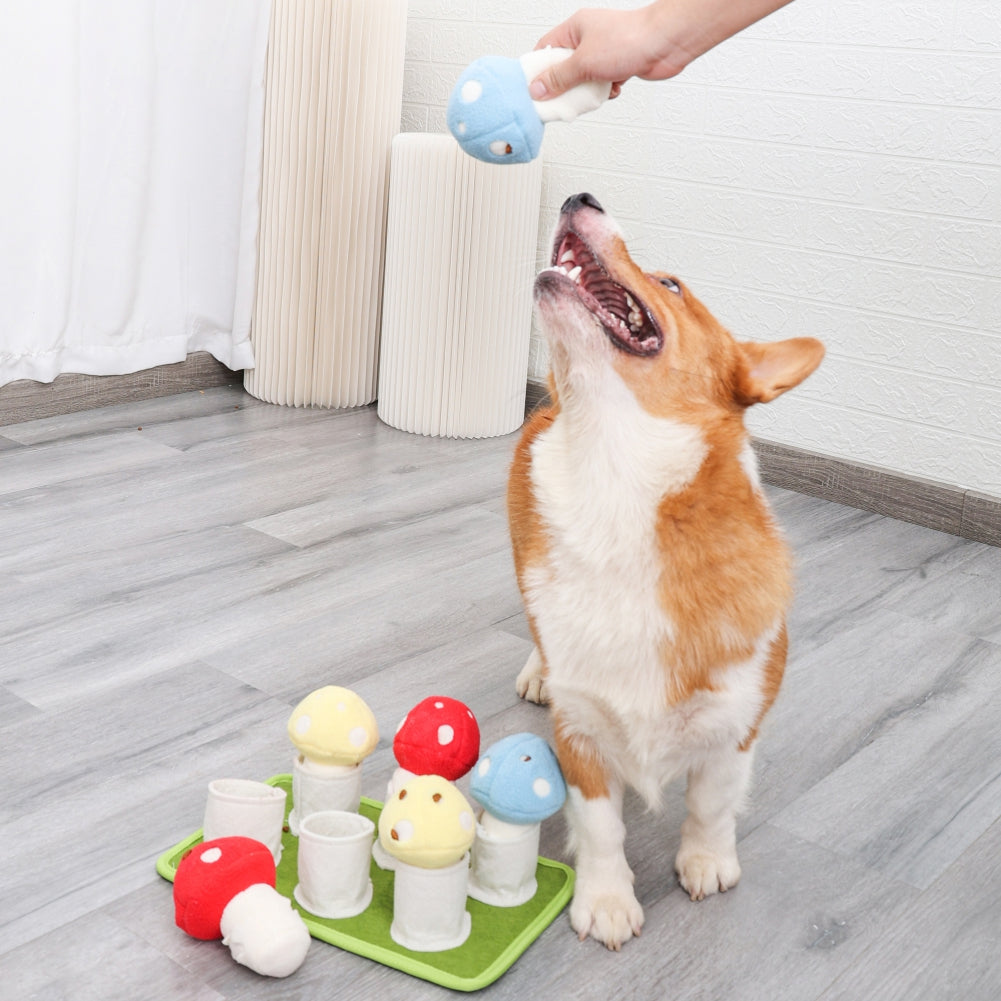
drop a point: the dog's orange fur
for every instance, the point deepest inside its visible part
(726, 558)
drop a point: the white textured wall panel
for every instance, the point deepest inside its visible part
(834, 170)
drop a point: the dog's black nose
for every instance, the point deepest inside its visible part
(576, 201)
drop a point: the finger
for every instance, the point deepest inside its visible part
(555, 80)
(563, 36)
(558, 38)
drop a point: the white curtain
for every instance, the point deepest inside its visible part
(130, 144)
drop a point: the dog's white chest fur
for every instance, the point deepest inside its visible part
(596, 601)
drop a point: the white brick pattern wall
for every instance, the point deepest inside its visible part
(835, 171)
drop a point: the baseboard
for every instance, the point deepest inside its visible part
(535, 396)
(929, 503)
(26, 400)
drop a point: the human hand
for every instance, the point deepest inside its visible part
(609, 45)
(653, 43)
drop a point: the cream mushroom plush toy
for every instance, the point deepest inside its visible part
(428, 827)
(333, 731)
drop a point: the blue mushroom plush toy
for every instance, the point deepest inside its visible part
(518, 780)
(518, 783)
(492, 115)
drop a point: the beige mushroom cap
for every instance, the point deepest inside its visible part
(333, 726)
(427, 823)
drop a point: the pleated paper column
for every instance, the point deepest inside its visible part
(457, 301)
(332, 107)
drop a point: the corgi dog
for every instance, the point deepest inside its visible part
(654, 578)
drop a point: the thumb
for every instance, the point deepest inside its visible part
(556, 80)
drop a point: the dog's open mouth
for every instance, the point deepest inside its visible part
(625, 318)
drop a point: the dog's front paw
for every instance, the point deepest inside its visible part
(703, 872)
(531, 681)
(610, 914)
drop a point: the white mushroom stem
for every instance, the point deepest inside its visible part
(322, 770)
(398, 780)
(263, 932)
(502, 830)
(576, 101)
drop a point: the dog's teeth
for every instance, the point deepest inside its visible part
(568, 256)
(574, 275)
(635, 314)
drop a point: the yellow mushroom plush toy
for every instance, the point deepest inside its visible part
(428, 823)
(333, 731)
(428, 827)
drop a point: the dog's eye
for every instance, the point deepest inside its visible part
(671, 284)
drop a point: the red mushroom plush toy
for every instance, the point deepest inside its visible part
(439, 736)
(226, 889)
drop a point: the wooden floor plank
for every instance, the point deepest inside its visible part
(167, 595)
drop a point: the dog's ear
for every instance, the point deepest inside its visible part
(766, 371)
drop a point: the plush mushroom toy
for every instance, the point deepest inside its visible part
(519, 784)
(226, 889)
(439, 736)
(492, 115)
(333, 731)
(427, 827)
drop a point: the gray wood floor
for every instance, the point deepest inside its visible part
(175, 574)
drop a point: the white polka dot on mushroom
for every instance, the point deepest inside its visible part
(358, 736)
(471, 91)
(403, 829)
(445, 735)
(439, 705)
(211, 855)
(302, 724)
(484, 766)
(541, 788)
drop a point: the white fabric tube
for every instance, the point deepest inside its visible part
(429, 907)
(333, 103)
(317, 787)
(457, 303)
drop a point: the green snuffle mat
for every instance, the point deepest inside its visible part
(498, 937)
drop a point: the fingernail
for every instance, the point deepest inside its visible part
(537, 90)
